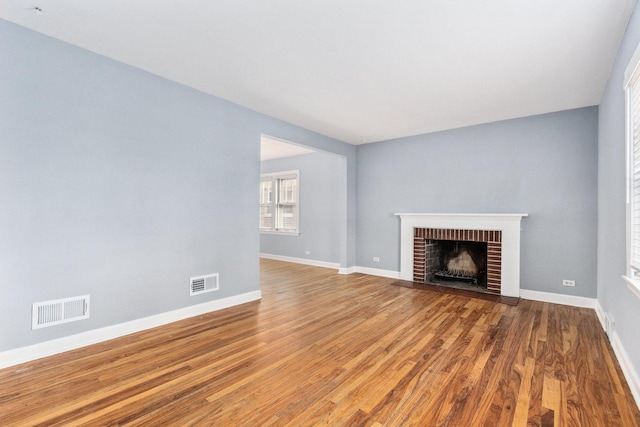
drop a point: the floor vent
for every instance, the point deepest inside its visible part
(203, 284)
(65, 310)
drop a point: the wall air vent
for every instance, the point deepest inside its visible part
(65, 310)
(203, 284)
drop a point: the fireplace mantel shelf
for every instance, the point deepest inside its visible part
(507, 223)
(488, 215)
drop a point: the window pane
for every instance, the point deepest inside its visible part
(287, 217)
(266, 219)
(265, 191)
(279, 202)
(287, 190)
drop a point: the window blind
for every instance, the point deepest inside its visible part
(633, 107)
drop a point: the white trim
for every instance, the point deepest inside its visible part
(572, 300)
(72, 342)
(391, 274)
(627, 367)
(488, 216)
(631, 92)
(325, 264)
(633, 285)
(378, 272)
(601, 316)
(280, 233)
(631, 67)
(621, 355)
(508, 223)
(348, 270)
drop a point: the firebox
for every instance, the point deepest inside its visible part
(456, 263)
(467, 259)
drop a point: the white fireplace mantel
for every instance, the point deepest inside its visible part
(508, 223)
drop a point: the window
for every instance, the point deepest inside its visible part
(279, 202)
(632, 111)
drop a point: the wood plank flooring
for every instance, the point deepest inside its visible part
(326, 349)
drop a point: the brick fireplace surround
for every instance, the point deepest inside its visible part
(501, 232)
(493, 239)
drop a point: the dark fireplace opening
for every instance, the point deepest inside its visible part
(456, 263)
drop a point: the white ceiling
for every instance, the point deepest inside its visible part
(274, 148)
(357, 70)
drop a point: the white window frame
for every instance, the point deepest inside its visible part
(632, 119)
(274, 202)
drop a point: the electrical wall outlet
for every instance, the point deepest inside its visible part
(376, 259)
(307, 252)
(568, 283)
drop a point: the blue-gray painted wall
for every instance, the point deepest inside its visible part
(122, 185)
(544, 165)
(613, 295)
(322, 208)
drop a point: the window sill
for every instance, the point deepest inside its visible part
(633, 285)
(280, 233)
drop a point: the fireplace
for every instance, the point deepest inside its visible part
(453, 244)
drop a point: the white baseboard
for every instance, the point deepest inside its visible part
(72, 342)
(378, 272)
(341, 270)
(348, 270)
(601, 316)
(623, 359)
(325, 264)
(627, 367)
(572, 300)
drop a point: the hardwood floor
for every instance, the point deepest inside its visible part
(326, 349)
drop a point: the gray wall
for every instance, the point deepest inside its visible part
(122, 185)
(544, 165)
(613, 295)
(322, 207)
